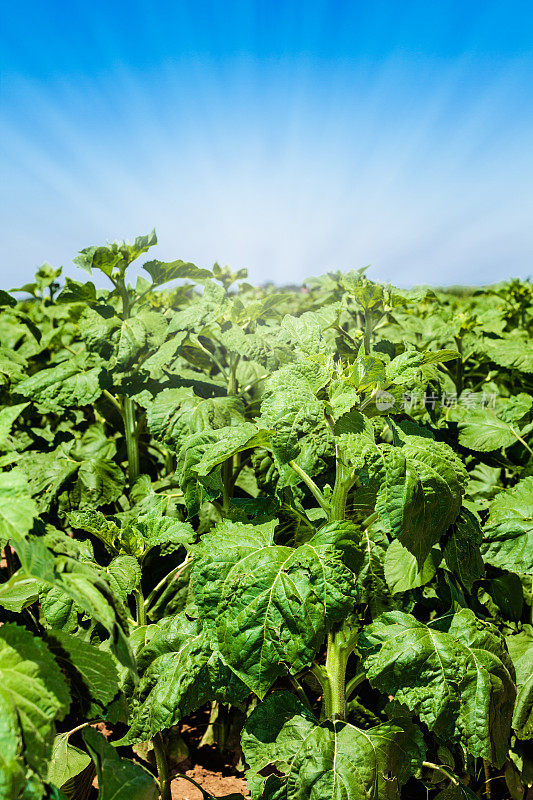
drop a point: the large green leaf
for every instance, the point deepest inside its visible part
(405, 368)
(162, 272)
(371, 581)
(33, 694)
(520, 647)
(179, 673)
(118, 778)
(76, 581)
(481, 429)
(18, 592)
(508, 534)
(290, 406)
(124, 575)
(8, 415)
(269, 607)
(17, 509)
(306, 332)
(90, 479)
(138, 535)
(513, 352)
(92, 671)
(66, 761)
(455, 673)
(71, 383)
(401, 568)
(334, 760)
(461, 551)
(419, 490)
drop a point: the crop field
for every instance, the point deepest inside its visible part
(264, 542)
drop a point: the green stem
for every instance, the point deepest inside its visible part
(439, 768)
(213, 358)
(112, 399)
(369, 520)
(300, 692)
(205, 794)
(340, 646)
(162, 766)
(227, 481)
(459, 382)
(352, 684)
(132, 444)
(130, 425)
(520, 439)
(166, 580)
(79, 728)
(227, 468)
(343, 484)
(139, 605)
(368, 331)
(336, 662)
(311, 485)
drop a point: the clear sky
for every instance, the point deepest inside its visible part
(287, 137)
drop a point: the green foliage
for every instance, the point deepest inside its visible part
(332, 759)
(455, 673)
(310, 512)
(33, 694)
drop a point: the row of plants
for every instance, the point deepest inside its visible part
(306, 511)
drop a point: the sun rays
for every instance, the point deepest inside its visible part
(288, 161)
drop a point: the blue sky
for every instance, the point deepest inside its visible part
(287, 137)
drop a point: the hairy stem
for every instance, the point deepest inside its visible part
(343, 484)
(336, 661)
(486, 771)
(162, 766)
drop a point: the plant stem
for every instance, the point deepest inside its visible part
(162, 767)
(130, 426)
(459, 367)
(112, 399)
(336, 661)
(369, 520)
(520, 439)
(300, 692)
(80, 727)
(343, 483)
(368, 331)
(352, 684)
(486, 771)
(311, 485)
(227, 468)
(205, 795)
(166, 580)
(132, 444)
(139, 605)
(439, 768)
